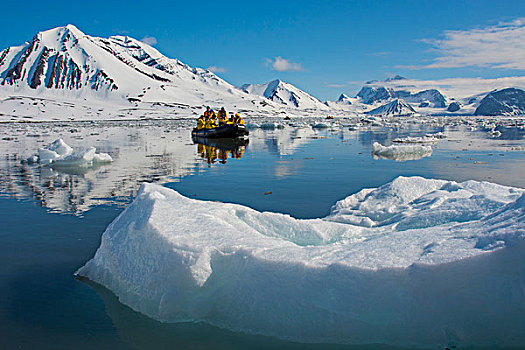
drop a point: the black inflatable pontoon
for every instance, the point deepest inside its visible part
(224, 131)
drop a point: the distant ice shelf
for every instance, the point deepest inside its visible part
(415, 262)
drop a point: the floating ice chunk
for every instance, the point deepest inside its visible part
(100, 158)
(409, 139)
(321, 125)
(414, 202)
(494, 133)
(46, 156)
(251, 126)
(58, 153)
(78, 158)
(32, 159)
(271, 126)
(401, 152)
(437, 135)
(443, 260)
(60, 148)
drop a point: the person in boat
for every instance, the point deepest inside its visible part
(237, 119)
(207, 112)
(201, 122)
(211, 122)
(222, 116)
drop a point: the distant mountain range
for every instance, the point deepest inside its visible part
(285, 94)
(66, 63)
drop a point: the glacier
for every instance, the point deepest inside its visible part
(415, 262)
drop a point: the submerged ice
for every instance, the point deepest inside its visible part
(414, 262)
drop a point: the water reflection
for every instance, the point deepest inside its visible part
(164, 152)
(219, 150)
(142, 152)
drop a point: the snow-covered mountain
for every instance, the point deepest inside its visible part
(63, 73)
(344, 100)
(345, 103)
(397, 107)
(284, 94)
(509, 101)
(372, 94)
(425, 98)
(114, 78)
(66, 59)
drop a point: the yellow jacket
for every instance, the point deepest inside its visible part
(238, 120)
(211, 123)
(200, 123)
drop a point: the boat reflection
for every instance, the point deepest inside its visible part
(219, 150)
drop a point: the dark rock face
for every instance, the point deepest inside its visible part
(510, 101)
(370, 94)
(435, 97)
(18, 72)
(432, 96)
(36, 79)
(4, 55)
(343, 99)
(396, 77)
(453, 107)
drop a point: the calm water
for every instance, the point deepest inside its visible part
(52, 219)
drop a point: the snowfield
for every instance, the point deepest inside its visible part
(415, 262)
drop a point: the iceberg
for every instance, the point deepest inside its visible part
(60, 154)
(401, 152)
(415, 262)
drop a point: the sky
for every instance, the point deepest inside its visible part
(323, 47)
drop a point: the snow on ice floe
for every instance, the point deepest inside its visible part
(401, 152)
(59, 153)
(428, 138)
(414, 262)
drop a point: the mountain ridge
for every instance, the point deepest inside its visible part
(64, 62)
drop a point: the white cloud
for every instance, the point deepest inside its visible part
(282, 64)
(500, 46)
(335, 85)
(380, 53)
(150, 40)
(216, 69)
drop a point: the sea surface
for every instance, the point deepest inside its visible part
(53, 218)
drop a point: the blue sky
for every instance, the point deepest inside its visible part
(322, 47)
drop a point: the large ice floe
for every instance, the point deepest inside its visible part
(401, 153)
(415, 262)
